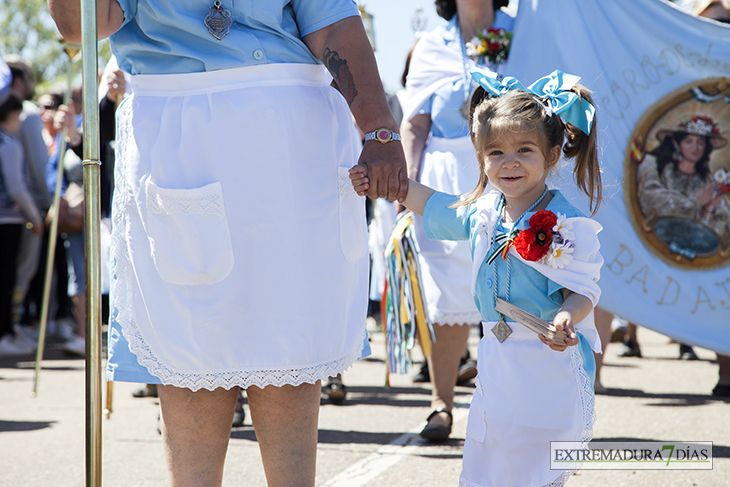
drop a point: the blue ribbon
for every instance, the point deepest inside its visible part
(553, 90)
(675, 248)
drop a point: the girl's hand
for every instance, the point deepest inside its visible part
(563, 321)
(359, 179)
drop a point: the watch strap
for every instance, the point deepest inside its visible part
(382, 135)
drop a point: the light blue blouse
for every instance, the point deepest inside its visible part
(444, 105)
(170, 36)
(529, 289)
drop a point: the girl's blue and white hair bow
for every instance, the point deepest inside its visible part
(553, 90)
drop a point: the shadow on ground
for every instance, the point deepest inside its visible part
(6, 426)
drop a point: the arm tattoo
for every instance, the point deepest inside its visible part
(341, 74)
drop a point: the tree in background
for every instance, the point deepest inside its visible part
(27, 29)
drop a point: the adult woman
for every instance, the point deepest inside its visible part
(682, 183)
(234, 141)
(16, 208)
(440, 155)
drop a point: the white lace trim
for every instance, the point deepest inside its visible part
(588, 410)
(121, 279)
(186, 203)
(345, 184)
(454, 319)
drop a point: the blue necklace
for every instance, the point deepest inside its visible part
(502, 330)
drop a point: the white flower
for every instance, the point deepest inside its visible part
(559, 255)
(564, 228)
(474, 47)
(722, 176)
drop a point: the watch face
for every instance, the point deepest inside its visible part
(383, 135)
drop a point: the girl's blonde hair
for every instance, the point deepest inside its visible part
(519, 111)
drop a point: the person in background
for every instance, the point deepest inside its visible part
(440, 155)
(17, 209)
(67, 117)
(30, 136)
(718, 10)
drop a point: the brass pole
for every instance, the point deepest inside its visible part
(92, 247)
(71, 51)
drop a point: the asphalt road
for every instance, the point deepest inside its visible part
(372, 439)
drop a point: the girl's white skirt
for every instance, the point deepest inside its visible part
(527, 395)
(239, 251)
(449, 165)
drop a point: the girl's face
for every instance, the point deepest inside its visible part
(515, 164)
(692, 148)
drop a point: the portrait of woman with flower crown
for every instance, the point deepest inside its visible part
(678, 180)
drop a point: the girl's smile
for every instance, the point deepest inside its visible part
(515, 164)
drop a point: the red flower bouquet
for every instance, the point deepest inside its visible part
(534, 242)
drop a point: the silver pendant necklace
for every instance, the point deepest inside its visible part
(218, 21)
(502, 330)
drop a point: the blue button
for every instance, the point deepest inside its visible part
(489, 282)
(258, 54)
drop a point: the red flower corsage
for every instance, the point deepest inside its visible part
(534, 242)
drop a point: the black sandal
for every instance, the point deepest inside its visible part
(438, 432)
(335, 391)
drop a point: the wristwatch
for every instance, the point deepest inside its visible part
(382, 135)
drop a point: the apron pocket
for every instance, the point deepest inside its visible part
(189, 235)
(353, 231)
(476, 426)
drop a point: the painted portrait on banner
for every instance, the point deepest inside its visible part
(677, 175)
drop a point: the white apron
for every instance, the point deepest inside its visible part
(527, 395)
(239, 247)
(450, 166)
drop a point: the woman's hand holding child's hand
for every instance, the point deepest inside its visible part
(563, 321)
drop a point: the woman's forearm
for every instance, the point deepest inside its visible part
(344, 49)
(414, 133)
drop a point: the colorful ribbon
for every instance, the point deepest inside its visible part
(403, 308)
(553, 90)
(502, 243)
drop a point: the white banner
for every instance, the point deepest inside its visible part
(661, 82)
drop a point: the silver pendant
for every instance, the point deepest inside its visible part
(501, 330)
(218, 21)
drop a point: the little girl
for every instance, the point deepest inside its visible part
(532, 248)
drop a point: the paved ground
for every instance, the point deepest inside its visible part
(370, 440)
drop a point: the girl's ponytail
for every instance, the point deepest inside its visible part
(584, 148)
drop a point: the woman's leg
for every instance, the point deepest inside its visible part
(443, 366)
(195, 431)
(285, 420)
(603, 325)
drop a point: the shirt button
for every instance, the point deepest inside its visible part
(258, 54)
(489, 282)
